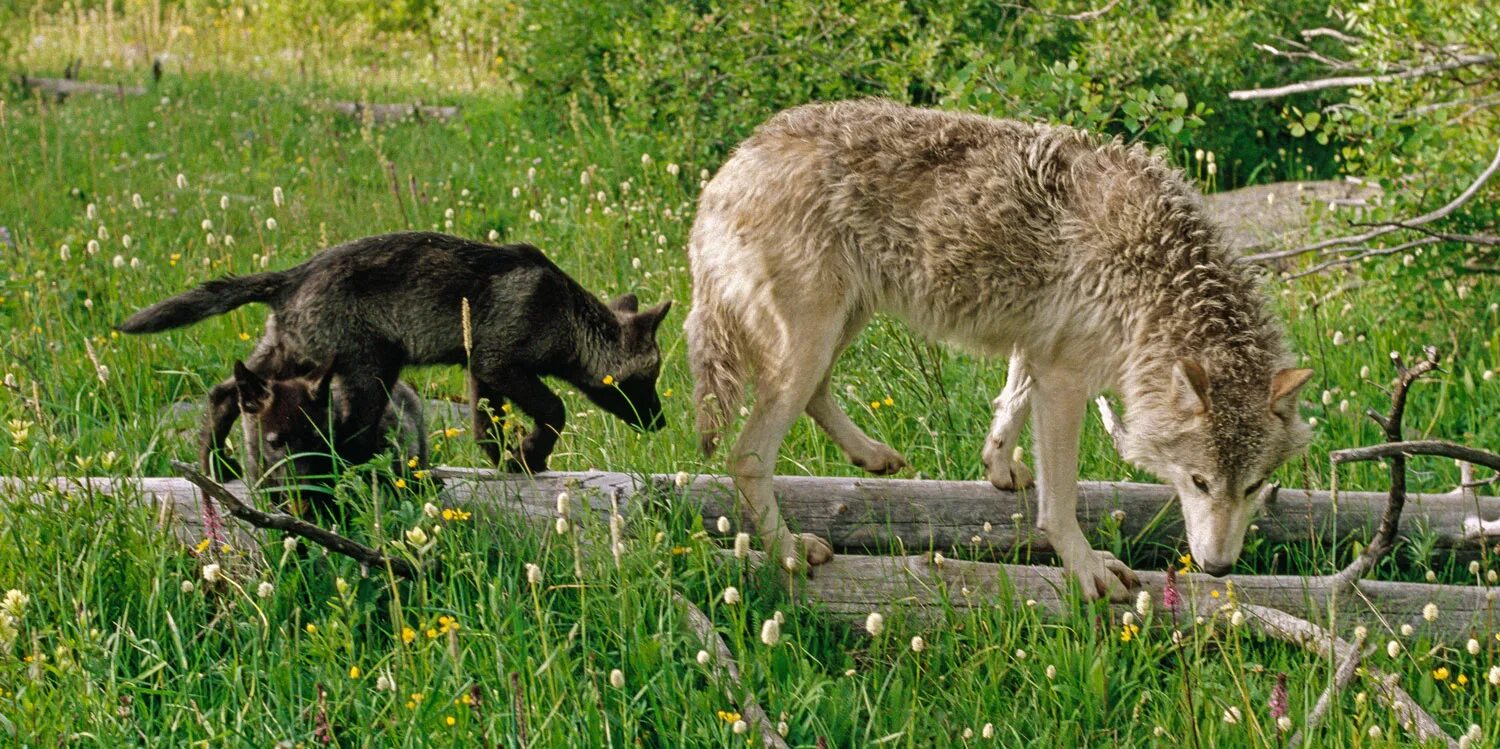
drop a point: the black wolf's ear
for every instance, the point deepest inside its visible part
(1190, 383)
(254, 393)
(625, 303)
(1286, 383)
(319, 379)
(652, 317)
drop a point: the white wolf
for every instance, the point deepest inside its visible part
(1091, 263)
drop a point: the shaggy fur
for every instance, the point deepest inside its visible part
(1092, 263)
(378, 304)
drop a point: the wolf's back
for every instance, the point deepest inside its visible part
(212, 298)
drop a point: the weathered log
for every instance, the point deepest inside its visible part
(62, 88)
(379, 114)
(852, 586)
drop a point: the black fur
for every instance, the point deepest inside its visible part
(378, 304)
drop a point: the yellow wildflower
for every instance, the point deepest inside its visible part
(400, 483)
(1129, 632)
(1440, 673)
(889, 401)
(408, 634)
(609, 379)
(354, 672)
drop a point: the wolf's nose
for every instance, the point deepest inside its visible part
(1217, 570)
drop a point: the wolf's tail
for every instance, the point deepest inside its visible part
(212, 298)
(714, 355)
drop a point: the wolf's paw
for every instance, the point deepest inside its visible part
(1101, 575)
(799, 551)
(1006, 471)
(881, 460)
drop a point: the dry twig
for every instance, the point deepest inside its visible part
(280, 521)
(1348, 81)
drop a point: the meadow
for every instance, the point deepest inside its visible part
(121, 635)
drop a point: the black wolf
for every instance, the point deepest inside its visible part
(378, 304)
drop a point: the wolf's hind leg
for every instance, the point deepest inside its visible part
(1060, 406)
(1011, 409)
(863, 451)
(787, 380)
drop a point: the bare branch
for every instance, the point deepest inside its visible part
(1418, 447)
(1087, 15)
(1390, 521)
(280, 521)
(1349, 81)
(1389, 227)
(721, 660)
(1341, 679)
(1363, 254)
(1287, 628)
(1352, 41)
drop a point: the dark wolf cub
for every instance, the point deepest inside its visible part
(289, 419)
(378, 304)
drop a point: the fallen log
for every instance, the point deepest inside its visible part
(380, 114)
(62, 88)
(852, 585)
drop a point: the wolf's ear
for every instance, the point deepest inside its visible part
(625, 303)
(1190, 384)
(1286, 383)
(652, 317)
(253, 391)
(319, 379)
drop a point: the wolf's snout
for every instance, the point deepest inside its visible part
(1218, 569)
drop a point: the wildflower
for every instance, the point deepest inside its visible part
(1375, 732)
(416, 536)
(1473, 646)
(118, 261)
(289, 544)
(723, 524)
(782, 729)
(211, 572)
(407, 635)
(918, 644)
(181, 181)
(1232, 715)
(354, 672)
(617, 679)
(64, 253)
(277, 196)
(1283, 724)
(938, 559)
(1129, 632)
(645, 159)
(311, 628)
(1051, 672)
(14, 603)
(1169, 596)
(452, 513)
(968, 733)
(271, 223)
(740, 728)
(1430, 612)
(1494, 676)
(1237, 618)
(609, 380)
(741, 545)
(1338, 338)
(135, 200)
(1187, 563)
(770, 632)
(1406, 630)
(681, 480)
(1020, 654)
(703, 657)
(265, 590)
(875, 623)
(1393, 648)
(561, 526)
(732, 595)
(1279, 699)
(1440, 673)
(988, 731)
(728, 716)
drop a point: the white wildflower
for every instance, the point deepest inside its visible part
(617, 678)
(770, 632)
(533, 574)
(723, 524)
(1430, 612)
(741, 545)
(732, 595)
(703, 657)
(211, 572)
(875, 623)
(918, 644)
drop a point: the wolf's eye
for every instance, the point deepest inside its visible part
(1201, 483)
(1255, 487)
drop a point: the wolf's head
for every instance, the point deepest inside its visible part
(1216, 437)
(629, 390)
(287, 420)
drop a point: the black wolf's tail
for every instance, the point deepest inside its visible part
(212, 298)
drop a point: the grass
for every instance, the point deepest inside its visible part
(125, 640)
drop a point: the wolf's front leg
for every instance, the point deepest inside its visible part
(533, 397)
(1001, 465)
(1060, 406)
